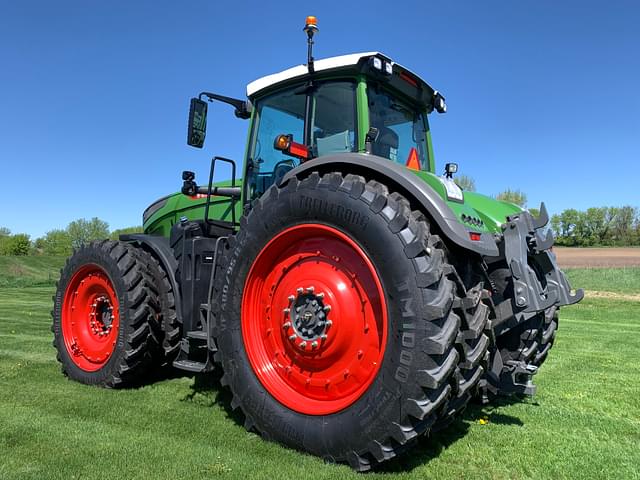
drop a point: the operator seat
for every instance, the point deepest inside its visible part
(387, 144)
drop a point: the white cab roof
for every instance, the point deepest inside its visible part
(300, 70)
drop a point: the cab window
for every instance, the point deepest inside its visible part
(332, 129)
(401, 130)
(334, 118)
(275, 115)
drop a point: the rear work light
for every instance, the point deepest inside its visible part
(381, 65)
(285, 144)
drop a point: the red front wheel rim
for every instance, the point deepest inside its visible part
(314, 319)
(90, 318)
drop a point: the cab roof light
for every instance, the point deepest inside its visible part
(439, 103)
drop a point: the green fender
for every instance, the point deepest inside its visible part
(405, 182)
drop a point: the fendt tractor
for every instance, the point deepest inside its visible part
(349, 297)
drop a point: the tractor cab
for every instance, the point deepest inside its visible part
(361, 103)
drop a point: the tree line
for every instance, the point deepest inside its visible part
(597, 226)
(60, 241)
(593, 227)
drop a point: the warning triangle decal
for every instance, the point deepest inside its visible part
(412, 161)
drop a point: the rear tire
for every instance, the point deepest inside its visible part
(546, 335)
(414, 334)
(529, 342)
(103, 306)
(472, 344)
(170, 334)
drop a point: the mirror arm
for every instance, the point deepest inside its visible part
(243, 108)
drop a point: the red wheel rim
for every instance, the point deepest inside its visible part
(314, 319)
(90, 318)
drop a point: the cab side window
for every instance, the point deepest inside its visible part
(281, 113)
(334, 118)
(332, 125)
(401, 130)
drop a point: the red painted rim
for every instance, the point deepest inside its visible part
(90, 318)
(315, 358)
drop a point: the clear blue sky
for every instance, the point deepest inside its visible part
(542, 95)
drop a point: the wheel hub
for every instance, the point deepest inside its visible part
(101, 316)
(305, 319)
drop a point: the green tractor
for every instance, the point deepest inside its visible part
(351, 298)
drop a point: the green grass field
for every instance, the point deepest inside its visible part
(583, 423)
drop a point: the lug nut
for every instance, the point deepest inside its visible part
(291, 298)
(286, 310)
(302, 344)
(310, 289)
(323, 337)
(320, 295)
(286, 325)
(314, 344)
(327, 308)
(293, 337)
(328, 323)
(300, 290)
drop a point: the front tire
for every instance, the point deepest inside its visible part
(103, 306)
(383, 378)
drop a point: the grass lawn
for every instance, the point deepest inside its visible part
(620, 280)
(29, 271)
(583, 423)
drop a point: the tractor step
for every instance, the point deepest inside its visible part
(190, 366)
(197, 335)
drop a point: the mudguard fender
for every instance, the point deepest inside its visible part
(399, 178)
(159, 247)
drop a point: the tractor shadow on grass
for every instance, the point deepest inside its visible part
(428, 447)
(206, 390)
(161, 373)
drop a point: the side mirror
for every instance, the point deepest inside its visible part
(197, 123)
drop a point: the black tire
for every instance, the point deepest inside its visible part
(414, 379)
(127, 269)
(546, 335)
(519, 343)
(169, 328)
(529, 342)
(472, 344)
